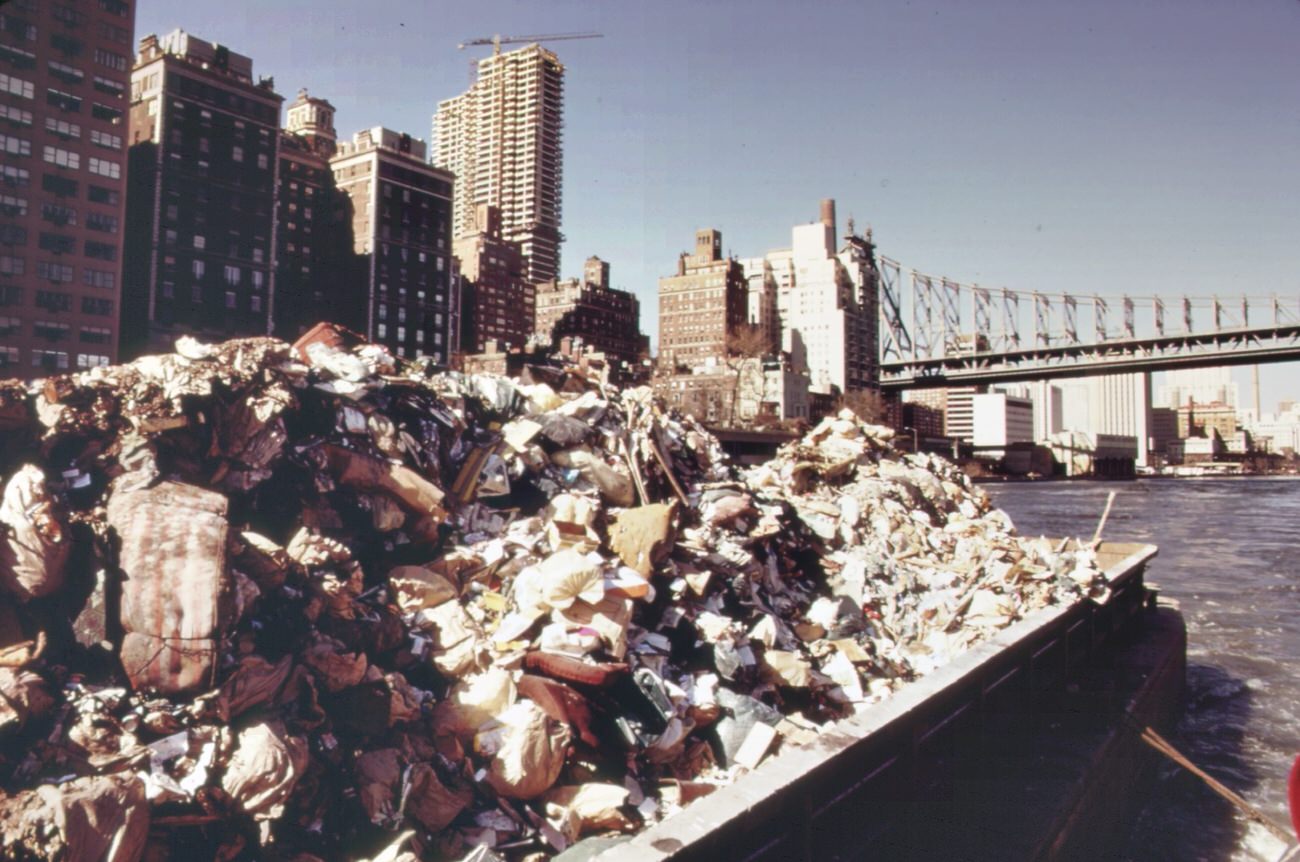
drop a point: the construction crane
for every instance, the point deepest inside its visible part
(498, 40)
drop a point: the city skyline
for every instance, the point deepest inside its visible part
(1148, 148)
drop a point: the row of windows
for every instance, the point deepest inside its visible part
(52, 360)
(14, 177)
(12, 265)
(231, 297)
(63, 244)
(53, 300)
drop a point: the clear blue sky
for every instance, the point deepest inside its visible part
(1100, 147)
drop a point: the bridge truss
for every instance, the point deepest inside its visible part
(938, 332)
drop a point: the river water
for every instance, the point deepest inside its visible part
(1230, 559)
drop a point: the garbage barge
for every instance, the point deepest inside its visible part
(1026, 747)
(316, 601)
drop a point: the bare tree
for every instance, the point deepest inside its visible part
(868, 404)
(747, 344)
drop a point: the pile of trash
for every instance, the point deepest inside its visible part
(314, 602)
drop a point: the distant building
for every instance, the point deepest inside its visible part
(600, 316)
(1201, 385)
(959, 412)
(497, 301)
(1280, 429)
(401, 228)
(318, 276)
(501, 139)
(200, 232)
(701, 306)
(63, 173)
(1000, 420)
(826, 304)
(1198, 420)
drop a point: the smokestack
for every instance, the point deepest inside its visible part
(828, 214)
(1254, 382)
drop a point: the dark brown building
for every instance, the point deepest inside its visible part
(601, 316)
(201, 211)
(700, 306)
(318, 276)
(400, 210)
(497, 302)
(64, 72)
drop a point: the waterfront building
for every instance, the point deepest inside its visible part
(200, 218)
(999, 420)
(701, 306)
(502, 141)
(498, 304)
(401, 231)
(1198, 420)
(316, 269)
(588, 309)
(64, 80)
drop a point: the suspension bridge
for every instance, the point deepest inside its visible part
(938, 332)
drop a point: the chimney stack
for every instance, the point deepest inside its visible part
(828, 214)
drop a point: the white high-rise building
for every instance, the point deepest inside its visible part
(1202, 385)
(825, 304)
(501, 139)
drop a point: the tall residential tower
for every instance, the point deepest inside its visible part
(64, 72)
(501, 140)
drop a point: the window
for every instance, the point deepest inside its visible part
(101, 195)
(15, 146)
(14, 178)
(56, 272)
(101, 222)
(61, 186)
(101, 278)
(10, 265)
(95, 335)
(10, 325)
(65, 73)
(111, 59)
(401, 333)
(69, 45)
(12, 234)
(17, 87)
(62, 128)
(232, 299)
(17, 57)
(95, 305)
(63, 101)
(261, 160)
(105, 140)
(61, 157)
(168, 290)
(237, 154)
(15, 116)
(24, 30)
(58, 214)
(255, 303)
(104, 112)
(116, 89)
(169, 237)
(200, 242)
(232, 275)
(66, 15)
(53, 301)
(197, 269)
(381, 330)
(101, 250)
(49, 359)
(257, 279)
(51, 331)
(117, 34)
(12, 205)
(106, 168)
(257, 255)
(115, 7)
(91, 360)
(57, 242)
